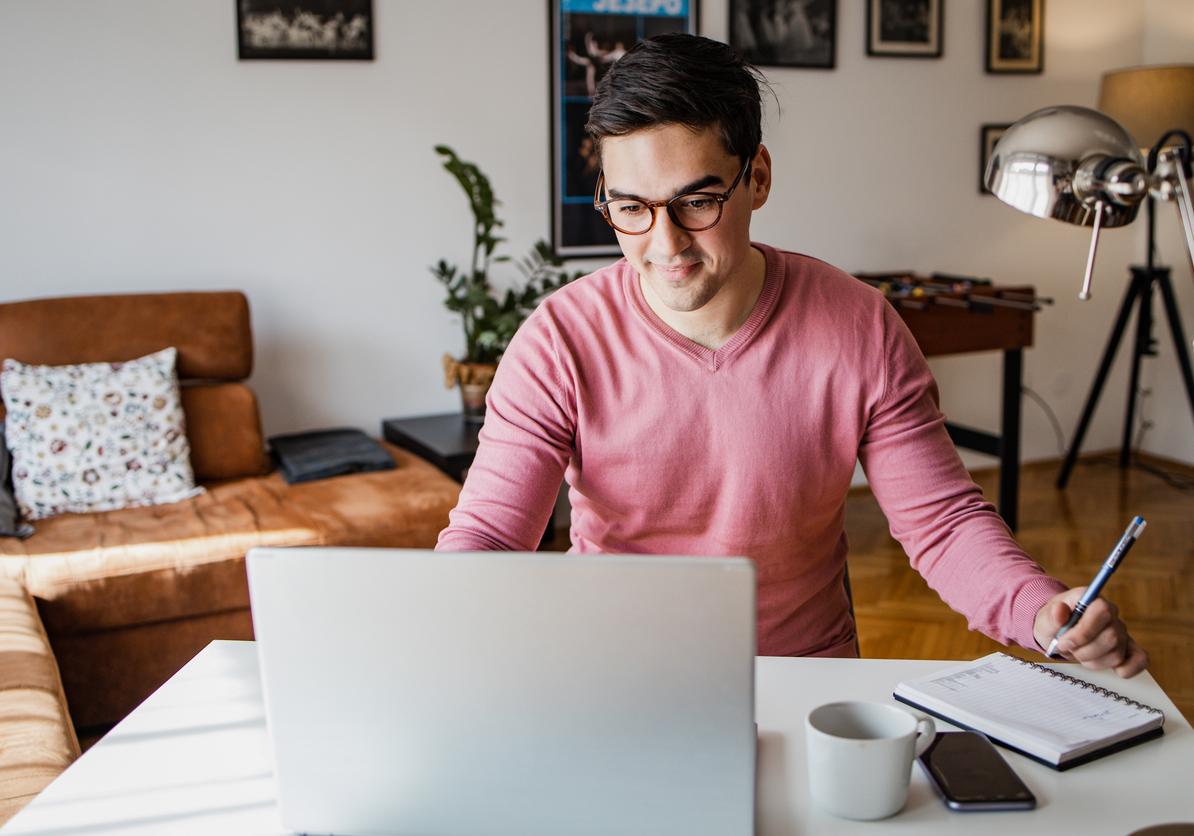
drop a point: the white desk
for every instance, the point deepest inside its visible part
(194, 758)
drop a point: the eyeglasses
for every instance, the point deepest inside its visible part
(694, 211)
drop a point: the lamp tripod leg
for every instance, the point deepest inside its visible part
(1143, 347)
(1180, 346)
(1096, 389)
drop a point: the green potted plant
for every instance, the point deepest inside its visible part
(489, 319)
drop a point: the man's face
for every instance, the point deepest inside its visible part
(684, 270)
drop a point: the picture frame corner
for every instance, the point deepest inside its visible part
(989, 133)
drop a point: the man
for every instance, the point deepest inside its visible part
(710, 395)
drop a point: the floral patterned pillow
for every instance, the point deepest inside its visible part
(96, 436)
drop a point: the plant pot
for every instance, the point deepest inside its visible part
(472, 401)
(474, 380)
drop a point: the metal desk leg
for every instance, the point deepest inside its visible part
(1009, 447)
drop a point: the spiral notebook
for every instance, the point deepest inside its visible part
(1051, 717)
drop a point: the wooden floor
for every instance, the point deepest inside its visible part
(1069, 532)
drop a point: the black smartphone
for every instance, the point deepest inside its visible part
(970, 774)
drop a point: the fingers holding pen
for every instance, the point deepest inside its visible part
(1091, 631)
(1095, 634)
(1104, 642)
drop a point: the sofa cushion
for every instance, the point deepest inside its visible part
(224, 429)
(96, 436)
(37, 740)
(210, 330)
(140, 565)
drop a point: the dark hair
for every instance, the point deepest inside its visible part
(679, 79)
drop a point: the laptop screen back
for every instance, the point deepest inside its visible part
(504, 693)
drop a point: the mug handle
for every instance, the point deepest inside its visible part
(926, 732)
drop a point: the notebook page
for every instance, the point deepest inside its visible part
(1031, 703)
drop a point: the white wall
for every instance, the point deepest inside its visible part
(137, 153)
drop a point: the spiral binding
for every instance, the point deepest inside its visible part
(1084, 685)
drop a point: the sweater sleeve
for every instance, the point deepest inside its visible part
(953, 537)
(524, 447)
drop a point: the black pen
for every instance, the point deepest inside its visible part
(1109, 566)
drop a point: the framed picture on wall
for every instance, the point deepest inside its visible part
(1015, 36)
(340, 30)
(904, 28)
(587, 37)
(785, 33)
(988, 135)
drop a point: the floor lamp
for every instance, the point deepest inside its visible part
(1083, 167)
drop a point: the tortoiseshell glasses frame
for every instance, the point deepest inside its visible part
(691, 211)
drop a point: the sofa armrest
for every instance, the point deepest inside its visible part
(37, 739)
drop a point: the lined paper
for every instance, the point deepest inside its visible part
(1031, 701)
(1031, 707)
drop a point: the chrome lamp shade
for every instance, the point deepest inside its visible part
(1081, 166)
(1046, 165)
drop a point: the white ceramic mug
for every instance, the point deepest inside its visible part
(860, 757)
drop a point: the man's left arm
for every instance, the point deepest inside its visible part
(954, 537)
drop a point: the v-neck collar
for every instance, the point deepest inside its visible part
(712, 359)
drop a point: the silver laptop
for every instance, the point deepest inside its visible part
(504, 693)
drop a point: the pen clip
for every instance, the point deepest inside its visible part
(1135, 527)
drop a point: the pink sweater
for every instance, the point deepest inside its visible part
(669, 447)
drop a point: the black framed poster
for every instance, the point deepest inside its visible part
(904, 28)
(587, 37)
(785, 33)
(305, 29)
(1015, 36)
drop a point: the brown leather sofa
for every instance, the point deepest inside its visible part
(128, 596)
